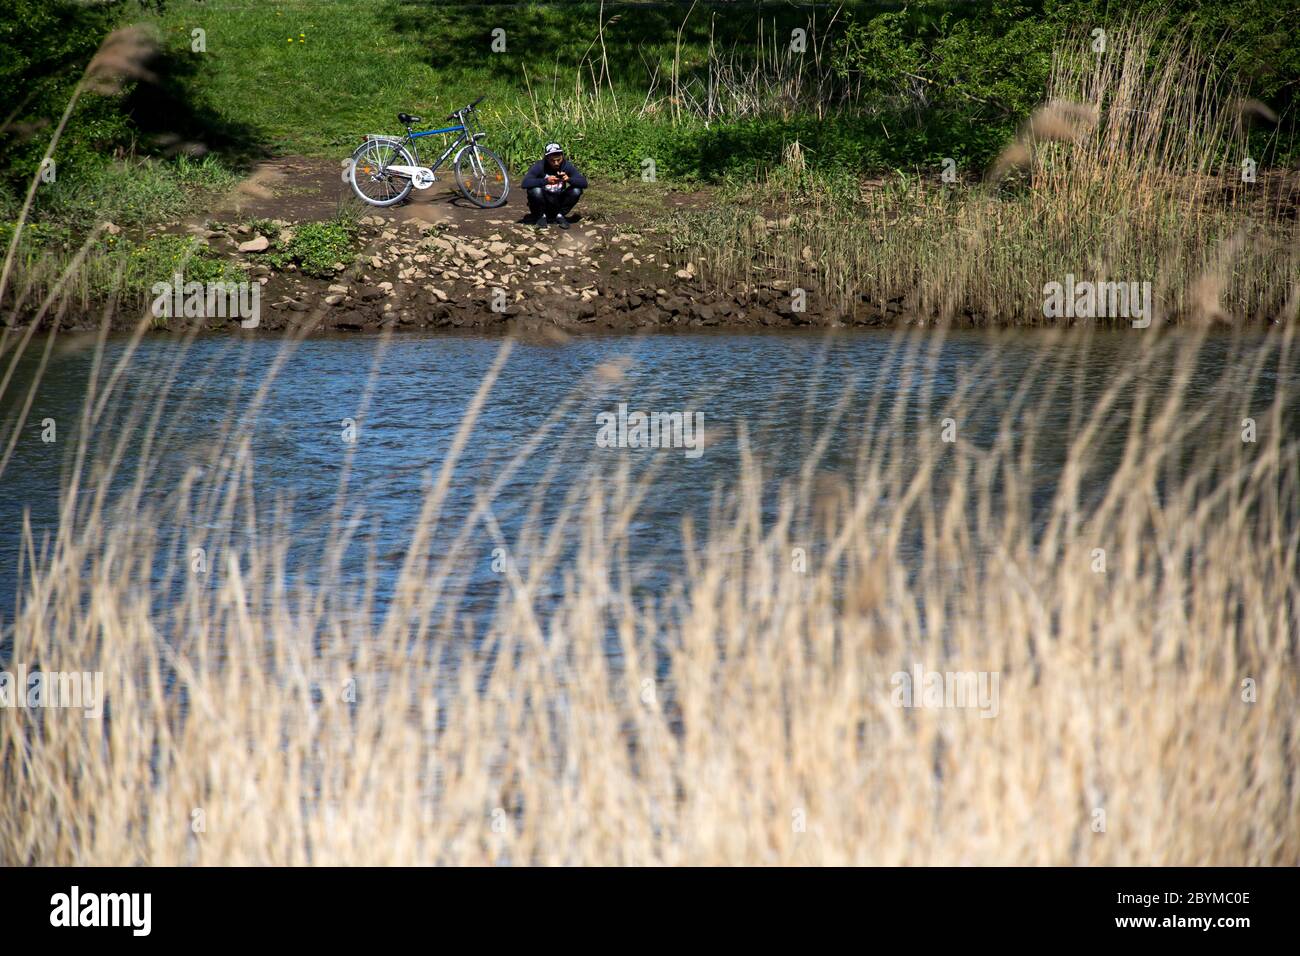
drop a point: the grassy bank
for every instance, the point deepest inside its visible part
(747, 712)
(898, 163)
(1131, 172)
(702, 89)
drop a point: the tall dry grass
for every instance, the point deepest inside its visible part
(1130, 172)
(763, 77)
(742, 711)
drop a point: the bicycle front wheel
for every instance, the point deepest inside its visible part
(371, 180)
(482, 177)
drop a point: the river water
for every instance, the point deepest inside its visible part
(385, 411)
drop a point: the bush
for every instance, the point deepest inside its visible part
(159, 258)
(132, 192)
(956, 80)
(314, 247)
(47, 46)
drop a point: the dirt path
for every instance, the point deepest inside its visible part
(438, 261)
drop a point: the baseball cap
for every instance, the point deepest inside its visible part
(552, 148)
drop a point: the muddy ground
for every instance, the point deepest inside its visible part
(436, 261)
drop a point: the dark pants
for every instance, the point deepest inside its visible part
(540, 201)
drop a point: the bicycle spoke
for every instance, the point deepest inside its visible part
(481, 177)
(370, 176)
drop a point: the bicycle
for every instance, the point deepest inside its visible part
(389, 166)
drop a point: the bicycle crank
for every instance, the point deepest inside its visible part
(421, 176)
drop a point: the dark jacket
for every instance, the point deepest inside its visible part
(537, 173)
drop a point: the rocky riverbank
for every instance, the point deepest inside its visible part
(503, 274)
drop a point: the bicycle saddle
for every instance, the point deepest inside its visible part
(406, 119)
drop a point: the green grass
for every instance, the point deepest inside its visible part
(120, 267)
(158, 258)
(1133, 199)
(708, 91)
(711, 96)
(132, 194)
(314, 247)
(312, 77)
(135, 192)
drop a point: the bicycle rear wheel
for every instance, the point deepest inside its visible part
(482, 177)
(371, 182)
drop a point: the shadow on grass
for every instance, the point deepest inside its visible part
(171, 122)
(561, 41)
(559, 37)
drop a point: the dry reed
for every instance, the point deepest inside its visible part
(741, 713)
(1131, 172)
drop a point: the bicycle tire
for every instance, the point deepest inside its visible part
(492, 177)
(407, 160)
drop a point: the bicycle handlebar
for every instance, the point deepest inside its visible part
(465, 109)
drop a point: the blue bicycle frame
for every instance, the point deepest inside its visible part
(466, 136)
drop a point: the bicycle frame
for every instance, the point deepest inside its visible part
(467, 135)
(411, 137)
(470, 159)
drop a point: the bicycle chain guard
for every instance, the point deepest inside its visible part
(421, 176)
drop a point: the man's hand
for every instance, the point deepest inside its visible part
(564, 176)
